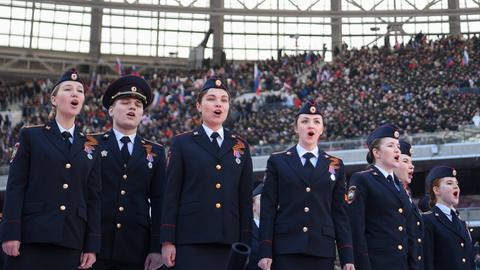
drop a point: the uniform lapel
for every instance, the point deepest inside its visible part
(295, 163)
(321, 166)
(53, 134)
(201, 138)
(112, 144)
(137, 151)
(381, 178)
(227, 143)
(78, 142)
(446, 222)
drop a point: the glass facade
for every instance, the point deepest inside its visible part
(157, 33)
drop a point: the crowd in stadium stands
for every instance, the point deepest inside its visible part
(421, 86)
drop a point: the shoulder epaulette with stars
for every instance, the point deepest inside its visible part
(33, 126)
(151, 142)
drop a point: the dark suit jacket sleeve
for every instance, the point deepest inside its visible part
(268, 206)
(157, 187)
(172, 192)
(357, 222)
(245, 203)
(14, 194)
(428, 244)
(94, 189)
(340, 219)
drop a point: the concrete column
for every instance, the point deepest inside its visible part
(216, 23)
(336, 5)
(95, 35)
(454, 20)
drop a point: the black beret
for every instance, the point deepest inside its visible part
(384, 131)
(70, 75)
(128, 86)
(405, 148)
(214, 82)
(440, 172)
(310, 107)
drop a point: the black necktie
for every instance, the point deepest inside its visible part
(125, 154)
(308, 164)
(66, 136)
(214, 137)
(456, 221)
(394, 183)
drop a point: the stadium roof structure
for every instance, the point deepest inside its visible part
(45, 37)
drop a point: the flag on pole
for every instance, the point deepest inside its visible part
(257, 84)
(465, 58)
(118, 67)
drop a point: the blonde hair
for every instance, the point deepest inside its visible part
(53, 111)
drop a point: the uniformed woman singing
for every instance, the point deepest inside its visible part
(448, 244)
(404, 172)
(52, 202)
(303, 211)
(379, 207)
(207, 204)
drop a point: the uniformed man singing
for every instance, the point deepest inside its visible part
(133, 175)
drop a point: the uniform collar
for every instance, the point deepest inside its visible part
(62, 129)
(385, 173)
(301, 151)
(209, 131)
(445, 209)
(119, 135)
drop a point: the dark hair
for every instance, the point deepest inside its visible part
(374, 145)
(433, 199)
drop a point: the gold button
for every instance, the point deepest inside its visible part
(307, 189)
(400, 247)
(400, 210)
(119, 225)
(65, 186)
(68, 165)
(419, 240)
(218, 205)
(218, 186)
(63, 208)
(419, 258)
(121, 208)
(306, 209)
(462, 244)
(125, 177)
(400, 228)
(464, 260)
(305, 229)
(418, 223)
(218, 167)
(123, 192)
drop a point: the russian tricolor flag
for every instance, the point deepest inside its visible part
(465, 58)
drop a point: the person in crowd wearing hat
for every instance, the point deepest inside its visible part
(256, 196)
(303, 208)
(51, 217)
(133, 178)
(447, 244)
(404, 172)
(207, 204)
(379, 207)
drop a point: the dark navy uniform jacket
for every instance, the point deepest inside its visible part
(416, 244)
(53, 193)
(445, 246)
(304, 214)
(131, 199)
(253, 260)
(379, 216)
(208, 197)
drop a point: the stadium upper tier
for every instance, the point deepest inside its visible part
(423, 86)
